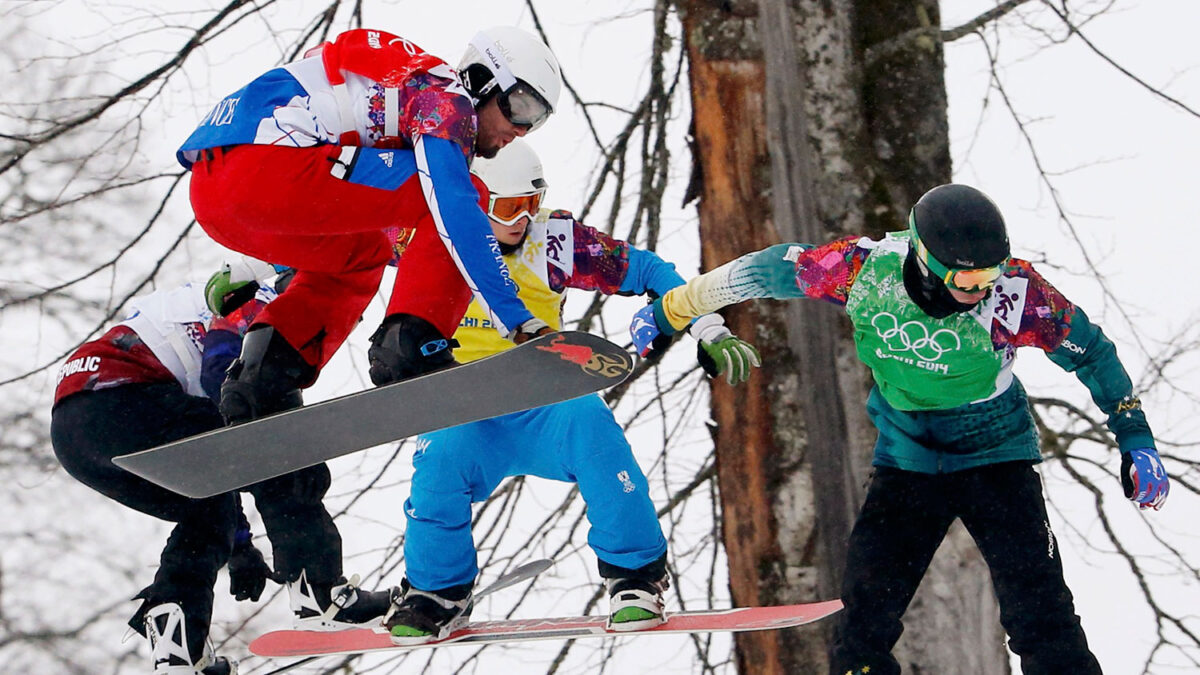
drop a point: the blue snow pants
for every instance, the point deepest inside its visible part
(576, 441)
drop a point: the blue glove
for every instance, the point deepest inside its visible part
(645, 331)
(1144, 479)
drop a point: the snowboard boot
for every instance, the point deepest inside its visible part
(265, 379)
(406, 346)
(636, 604)
(337, 605)
(417, 617)
(165, 627)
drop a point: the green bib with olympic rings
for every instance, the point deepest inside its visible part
(919, 362)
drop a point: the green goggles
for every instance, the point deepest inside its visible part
(958, 278)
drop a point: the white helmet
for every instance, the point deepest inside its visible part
(514, 180)
(513, 64)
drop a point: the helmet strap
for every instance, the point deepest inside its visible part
(480, 84)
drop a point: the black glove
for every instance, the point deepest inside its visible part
(248, 572)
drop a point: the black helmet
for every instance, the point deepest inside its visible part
(960, 227)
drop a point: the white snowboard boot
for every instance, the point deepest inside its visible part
(165, 627)
(636, 604)
(336, 606)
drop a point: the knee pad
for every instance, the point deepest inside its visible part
(406, 346)
(265, 379)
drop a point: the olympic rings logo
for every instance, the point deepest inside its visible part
(914, 336)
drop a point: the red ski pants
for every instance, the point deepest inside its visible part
(282, 205)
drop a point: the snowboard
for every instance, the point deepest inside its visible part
(549, 369)
(285, 643)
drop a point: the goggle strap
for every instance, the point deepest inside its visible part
(495, 62)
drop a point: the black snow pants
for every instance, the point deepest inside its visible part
(904, 519)
(89, 428)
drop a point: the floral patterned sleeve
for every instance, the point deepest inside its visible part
(1046, 315)
(240, 319)
(429, 109)
(828, 271)
(1063, 330)
(601, 262)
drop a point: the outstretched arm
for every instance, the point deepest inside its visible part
(774, 272)
(769, 273)
(1088, 353)
(599, 262)
(613, 266)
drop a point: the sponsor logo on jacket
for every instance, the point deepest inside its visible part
(1071, 346)
(222, 114)
(83, 364)
(494, 247)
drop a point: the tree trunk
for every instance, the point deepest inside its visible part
(797, 140)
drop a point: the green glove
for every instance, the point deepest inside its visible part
(721, 352)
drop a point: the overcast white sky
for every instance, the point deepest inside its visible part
(1123, 161)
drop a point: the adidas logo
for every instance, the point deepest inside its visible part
(387, 158)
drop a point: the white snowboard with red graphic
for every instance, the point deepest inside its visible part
(305, 643)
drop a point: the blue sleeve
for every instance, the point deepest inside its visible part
(221, 347)
(1089, 354)
(649, 274)
(466, 232)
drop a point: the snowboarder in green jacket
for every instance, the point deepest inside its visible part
(939, 311)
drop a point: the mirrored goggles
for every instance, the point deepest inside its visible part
(524, 107)
(965, 280)
(510, 210)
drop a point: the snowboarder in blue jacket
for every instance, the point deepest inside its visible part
(576, 441)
